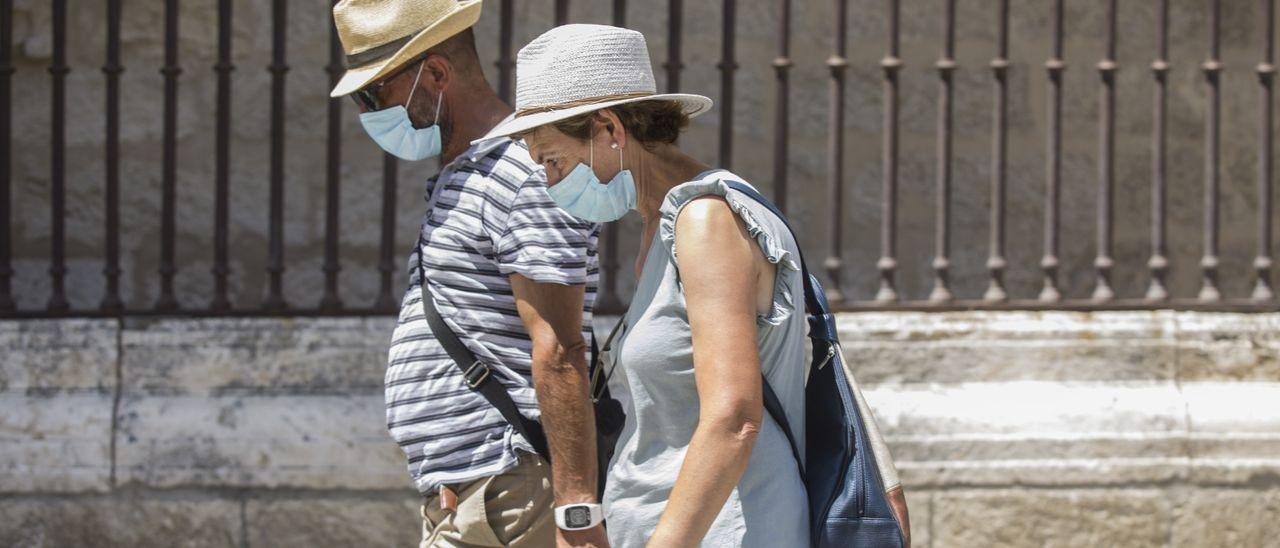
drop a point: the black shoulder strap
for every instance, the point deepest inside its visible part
(476, 373)
(771, 402)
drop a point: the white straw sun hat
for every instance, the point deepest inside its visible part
(380, 36)
(574, 69)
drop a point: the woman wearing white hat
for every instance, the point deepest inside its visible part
(699, 460)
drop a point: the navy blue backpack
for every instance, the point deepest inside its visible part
(849, 504)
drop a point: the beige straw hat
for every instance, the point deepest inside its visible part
(379, 36)
(574, 69)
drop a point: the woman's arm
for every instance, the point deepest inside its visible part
(720, 267)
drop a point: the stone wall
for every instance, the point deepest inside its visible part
(753, 134)
(1009, 429)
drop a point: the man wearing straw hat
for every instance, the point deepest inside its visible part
(510, 281)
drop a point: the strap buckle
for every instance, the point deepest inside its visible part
(476, 374)
(831, 353)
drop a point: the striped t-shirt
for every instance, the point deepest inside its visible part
(488, 216)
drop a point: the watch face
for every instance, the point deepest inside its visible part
(577, 516)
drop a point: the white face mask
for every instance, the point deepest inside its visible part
(392, 129)
(581, 194)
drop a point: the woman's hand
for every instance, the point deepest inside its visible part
(721, 269)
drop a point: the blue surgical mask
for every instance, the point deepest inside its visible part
(582, 195)
(392, 129)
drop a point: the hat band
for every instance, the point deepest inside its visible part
(581, 102)
(378, 53)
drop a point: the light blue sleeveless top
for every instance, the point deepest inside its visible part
(653, 354)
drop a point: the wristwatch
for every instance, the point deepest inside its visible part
(576, 517)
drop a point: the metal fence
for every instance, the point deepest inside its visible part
(941, 297)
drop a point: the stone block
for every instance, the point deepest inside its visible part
(1028, 517)
(390, 520)
(162, 521)
(1235, 431)
(58, 355)
(1221, 346)
(1001, 346)
(256, 355)
(1033, 433)
(318, 442)
(1213, 518)
(920, 514)
(55, 443)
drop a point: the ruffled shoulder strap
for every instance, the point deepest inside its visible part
(771, 236)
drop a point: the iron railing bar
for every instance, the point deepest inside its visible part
(1266, 70)
(1212, 69)
(1158, 264)
(275, 227)
(608, 301)
(386, 248)
(506, 62)
(781, 111)
(333, 178)
(1070, 305)
(1106, 162)
(891, 64)
(619, 13)
(675, 22)
(111, 68)
(728, 64)
(562, 12)
(996, 262)
(58, 70)
(223, 68)
(946, 66)
(1054, 67)
(839, 65)
(167, 301)
(6, 149)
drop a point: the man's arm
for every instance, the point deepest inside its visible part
(552, 314)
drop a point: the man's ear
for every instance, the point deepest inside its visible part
(437, 73)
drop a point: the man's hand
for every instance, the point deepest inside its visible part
(594, 537)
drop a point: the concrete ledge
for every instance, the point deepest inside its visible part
(950, 347)
(153, 520)
(255, 355)
(1032, 433)
(48, 356)
(336, 522)
(57, 386)
(317, 442)
(1028, 517)
(59, 443)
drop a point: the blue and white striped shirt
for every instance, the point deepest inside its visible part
(488, 216)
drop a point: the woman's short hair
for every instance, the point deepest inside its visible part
(650, 122)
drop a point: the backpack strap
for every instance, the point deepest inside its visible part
(821, 325)
(477, 373)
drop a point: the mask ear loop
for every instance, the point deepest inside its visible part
(415, 86)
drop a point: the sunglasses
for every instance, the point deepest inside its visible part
(367, 96)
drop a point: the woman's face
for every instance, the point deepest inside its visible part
(559, 154)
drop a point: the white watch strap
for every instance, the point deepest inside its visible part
(576, 517)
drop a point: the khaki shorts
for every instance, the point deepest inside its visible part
(510, 509)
